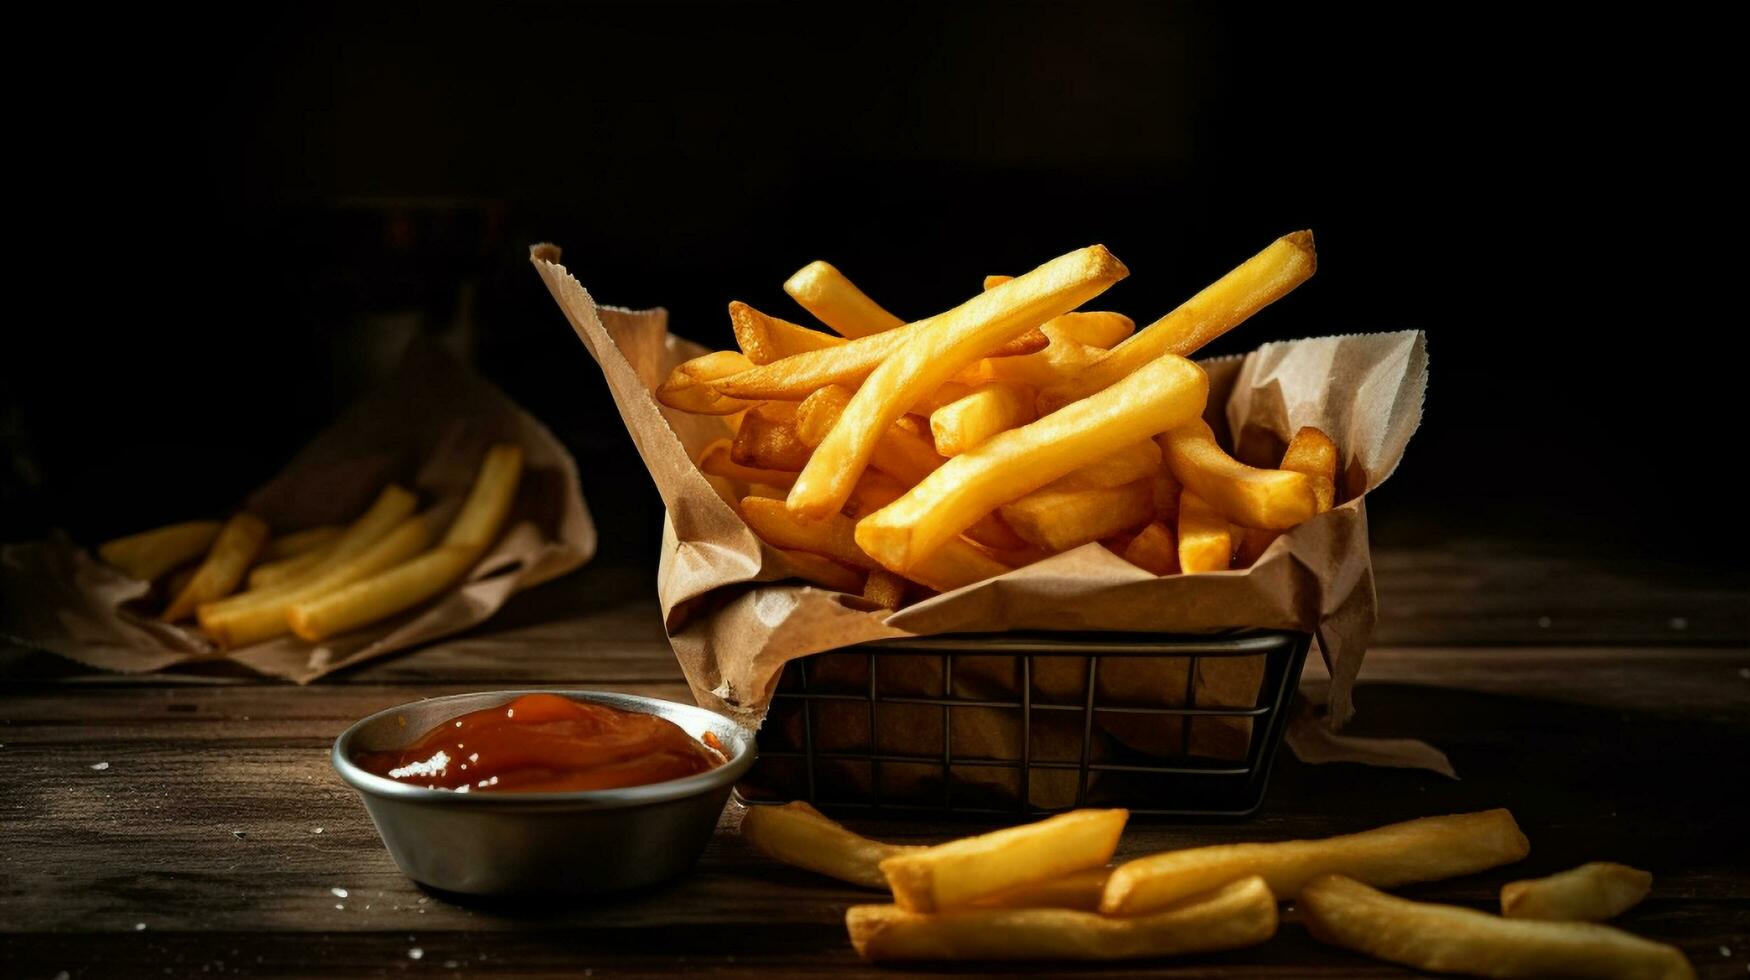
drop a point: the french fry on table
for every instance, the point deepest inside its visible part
(1241, 913)
(798, 834)
(1589, 893)
(1205, 537)
(150, 554)
(981, 413)
(1011, 464)
(765, 339)
(963, 871)
(1079, 890)
(1154, 549)
(690, 387)
(1058, 520)
(1427, 849)
(235, 548)
(406, 585)
(1271, 499)
(923, 362)
(1221, 306)
(294, 543)
(1449, 939)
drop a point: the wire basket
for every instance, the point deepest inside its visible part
(1027, 723)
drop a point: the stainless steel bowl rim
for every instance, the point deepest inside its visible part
(739, 748)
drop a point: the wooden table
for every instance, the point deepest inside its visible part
(182, 825)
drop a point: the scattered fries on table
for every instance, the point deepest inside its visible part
(322, 581)
(1044, 892)
(933, 453)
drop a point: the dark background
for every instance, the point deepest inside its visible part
(230, 223)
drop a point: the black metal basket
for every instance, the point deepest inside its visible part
(1025, 723)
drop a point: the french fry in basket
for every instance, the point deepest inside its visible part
(923, 362)
(1134, 462)
(1093, 328)
(798, 834)
(1427, 849)
(236, 546)
(884, 588)
(980, 414)
(386, 593)
(716, 461)
(1011, 464)
(765, 339)
(1058, 520)
(1153, 550)
(1589, 893)
(767, 439)
(963, 871)
(1271, 499)
(823, 571)
(1221, 306)
(1242, 913)
(295, 543)
(265, 618)
(819, 412)
(1449, 939)
(1063, 359)
(691, 387)
(1205, 537)
(286, 569)
(834, 300)
(150, 554)
(956, 564)
(1079, 890)
(1310, 452)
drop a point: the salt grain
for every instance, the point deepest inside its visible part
(339, 907)
(1725, 950)
(338, 892)
(415, 953)
(139, 927)
(315, 830)
(101, 766)
(1543, 622)
(1679, 623)
(451, 964)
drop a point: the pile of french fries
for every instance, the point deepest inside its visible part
(1047, 891)
(899, 459)
(243, 586)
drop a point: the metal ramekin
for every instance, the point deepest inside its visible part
(580, 843)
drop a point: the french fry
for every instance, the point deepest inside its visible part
(1139, 460)
(716, 461)
(835, 301)
(489, 501)
(1058, 520)
(266, 618)
(823, 571)
(950, 391)
(1310, 452)
(1153, 550)
(1079, 890)
(1242, 913)
(1063, 359)
(382, 595)
(1589, 893)
(767, 439)
(884, 588)
(286, 569)
(1250, 543)
(1449, 939)
(958, 563)
(295, 543)
(1019, 461)
(1271, 499)
(1221, 306)
(960, 872)
(819, 412)
(691, 387)
(954, 340)
(1095, 329)
(1428, 849)
(986, 410)
(236, 546)
(765, 339)
(797, 834)
(1205, 537)
(150, 554)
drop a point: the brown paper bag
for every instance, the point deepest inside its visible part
(734, 620)
(426, 428)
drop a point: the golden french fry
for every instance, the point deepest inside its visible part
(1242, 913)
(1589, 893)
(765, 339)
(1221, 306)
(1310, 452)
(767, 439)
(286, 569)
(1094, 328)
(950, 391)
(1139, 460)
(1250, 544)
(295, 543)
(958, 563)
(876, 490)
(1058, 520)
(1077, 890)
(905, 452)
(490, 500)
(819, 412)
(1205, 537)
(1271, 499)
(150, 554)
(716, 461)
(982, 413)
(797, 834)
(1449, 939)
(1428, 849)
(822, 571)
(884, 588)
(266, 618)
(963, 871)
(1153, 550)
(382, 595)
(691, 387)
(1014, 463)
(835, 301)
(238, 542)
(954, 340)
(1063, 359)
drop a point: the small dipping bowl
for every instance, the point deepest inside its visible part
(579, 843)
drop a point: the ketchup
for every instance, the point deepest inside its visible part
(544, 743)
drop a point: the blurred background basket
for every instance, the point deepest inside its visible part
(1028, 723)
